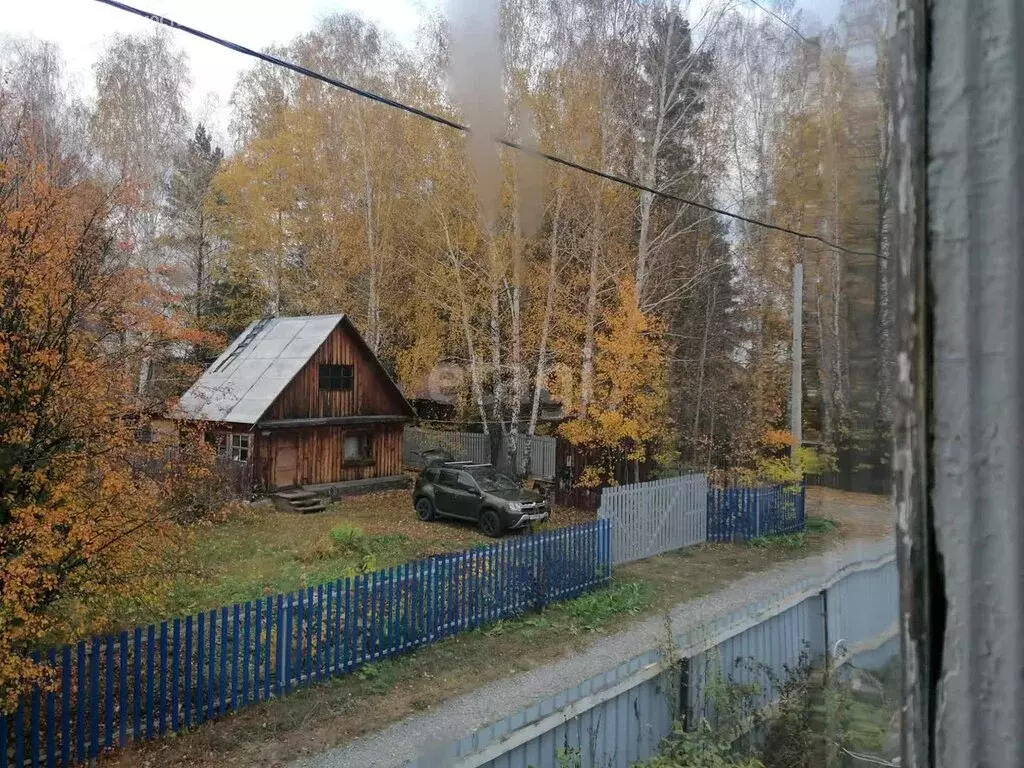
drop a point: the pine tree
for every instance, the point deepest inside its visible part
(191, 237)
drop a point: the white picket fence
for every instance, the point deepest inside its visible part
(657, 516)
(477, 447)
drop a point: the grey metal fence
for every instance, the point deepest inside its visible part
(619, 716)
(477, 447)
(656, 516)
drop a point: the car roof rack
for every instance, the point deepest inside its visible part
(459, 463)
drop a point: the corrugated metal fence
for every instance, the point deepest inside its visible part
(163, 678)
(654, 517)
(477, 447)
(620, 716)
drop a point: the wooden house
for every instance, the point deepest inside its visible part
(304, 402)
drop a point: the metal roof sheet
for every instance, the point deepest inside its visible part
(249, 375)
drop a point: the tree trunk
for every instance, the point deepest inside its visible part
(278, 263)
(200, 266)
(474, 365)
(649, 177)
(545, 329)
(497, 375)
(824, 366)
(373, 290)
(643, 246)
(475, 381)
(517, 350)
(709, 308)
(590, 325)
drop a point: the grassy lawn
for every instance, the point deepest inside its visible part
(260, 551)
(338, 711)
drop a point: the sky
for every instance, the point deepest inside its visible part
(81, 28)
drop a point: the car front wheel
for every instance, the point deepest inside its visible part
(425, 509)
(490, 523)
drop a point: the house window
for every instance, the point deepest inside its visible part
(357, 449)
(232, 446)
(336, 377)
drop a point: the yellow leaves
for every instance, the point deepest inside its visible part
(781, 459)
(629, 414)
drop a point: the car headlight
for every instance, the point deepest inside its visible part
(515, 506)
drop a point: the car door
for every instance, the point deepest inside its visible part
(448, 497)
(468, 496)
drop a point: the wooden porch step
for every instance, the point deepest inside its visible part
(295, 494)
(298, 500)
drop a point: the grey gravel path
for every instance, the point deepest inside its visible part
(407, 739)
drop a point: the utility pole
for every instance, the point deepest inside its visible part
(796, 377)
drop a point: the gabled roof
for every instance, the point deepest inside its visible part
(249, 375)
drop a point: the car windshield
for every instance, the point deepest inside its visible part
(493, 480)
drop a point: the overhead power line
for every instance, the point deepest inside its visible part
(311, 73)
(778, 18)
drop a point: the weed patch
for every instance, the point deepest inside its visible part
(348, 538)
(819, 525)
(785, 541)
(595, 608)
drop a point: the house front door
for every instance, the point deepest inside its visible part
(286, 464)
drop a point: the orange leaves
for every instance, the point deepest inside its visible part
(778, 438)
(76, 515)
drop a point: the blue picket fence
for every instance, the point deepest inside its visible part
(142, 684)
(741, 514)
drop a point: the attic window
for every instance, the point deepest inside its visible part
(336, 377)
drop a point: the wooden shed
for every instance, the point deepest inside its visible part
(302, 401)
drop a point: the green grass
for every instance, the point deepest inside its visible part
(260, 551)
(264, 552)
(234, 563)
(813, 526)
(593, 610)
(819, 525)
(342, 709)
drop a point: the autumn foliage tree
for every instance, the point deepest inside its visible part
(628, 418)
(76, 516)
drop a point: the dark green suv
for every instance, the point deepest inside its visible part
(479, 493)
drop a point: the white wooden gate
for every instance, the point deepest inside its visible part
(654, 517)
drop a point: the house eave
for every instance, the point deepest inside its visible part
(334, 421)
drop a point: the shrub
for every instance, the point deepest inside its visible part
(348, 538)
(192, 485)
